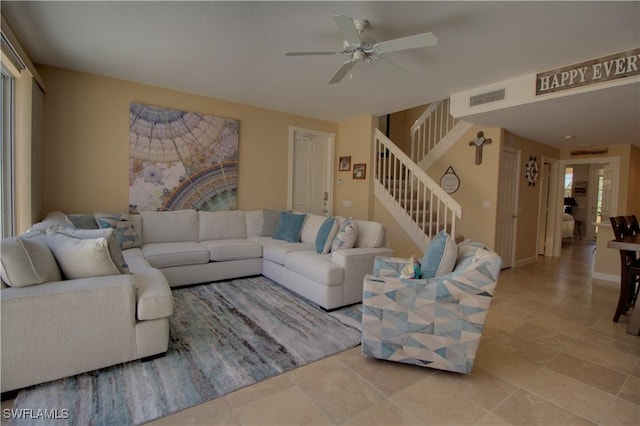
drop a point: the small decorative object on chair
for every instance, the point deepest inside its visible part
(435, 322)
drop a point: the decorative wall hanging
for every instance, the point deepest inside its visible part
(345, 164)
(181, 160)
(479, 142)
(359, 171)
(532, 171)
(450, 181)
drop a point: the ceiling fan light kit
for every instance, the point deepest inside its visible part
(361, 48)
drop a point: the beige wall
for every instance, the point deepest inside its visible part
(529, 195)
(353, 198)
(400, 126)
(478, 183)
(86, 142)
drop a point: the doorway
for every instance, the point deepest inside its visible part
(609, 196)
(310, 186)
(507, 205)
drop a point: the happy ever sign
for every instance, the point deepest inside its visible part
(611, 67)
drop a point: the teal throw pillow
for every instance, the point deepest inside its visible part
(289, 227)
(326, 233)
(440, 256)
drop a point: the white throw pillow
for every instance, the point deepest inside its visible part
(108, 234)
(81, 258)
(26, 260)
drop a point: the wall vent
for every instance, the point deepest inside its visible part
(485, 98)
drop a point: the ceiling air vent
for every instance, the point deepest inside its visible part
(485, 98)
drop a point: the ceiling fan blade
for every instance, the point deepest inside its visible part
(405, 43)
(348, 29)
(391, 66)
(310, 53)
(342, 71)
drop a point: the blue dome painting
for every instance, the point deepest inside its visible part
(181, 160)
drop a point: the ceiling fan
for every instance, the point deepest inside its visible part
(361, 48)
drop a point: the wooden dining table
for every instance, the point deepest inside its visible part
(631, 243)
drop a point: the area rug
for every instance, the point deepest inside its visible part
(223, 336)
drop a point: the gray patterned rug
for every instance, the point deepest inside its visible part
(224, 336)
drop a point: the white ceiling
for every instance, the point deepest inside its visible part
(233, 51)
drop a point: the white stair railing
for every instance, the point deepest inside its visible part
(417, 202)
(430, 128)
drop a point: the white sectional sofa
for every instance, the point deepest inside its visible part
(191, 247)
(93, 322)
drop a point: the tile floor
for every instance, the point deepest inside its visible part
(550, 355)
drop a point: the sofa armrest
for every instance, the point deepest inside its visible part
(386, 266)
(357, 262)
(80, 324)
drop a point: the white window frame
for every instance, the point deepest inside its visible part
(7, 155)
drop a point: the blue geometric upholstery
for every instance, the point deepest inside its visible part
(436, 322)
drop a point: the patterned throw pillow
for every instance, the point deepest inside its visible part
(346, 236)
(126, 234)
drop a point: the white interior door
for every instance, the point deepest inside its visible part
(507, 206)
(607, 192)
(310, 171)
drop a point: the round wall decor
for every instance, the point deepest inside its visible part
(532, 171)
(450, 181)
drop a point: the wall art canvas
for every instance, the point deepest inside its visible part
(181, 160)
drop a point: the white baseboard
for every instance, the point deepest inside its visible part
(605, 277)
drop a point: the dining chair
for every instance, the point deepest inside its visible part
(629, 270)
(632, 224)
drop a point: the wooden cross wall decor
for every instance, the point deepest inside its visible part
(478, 142)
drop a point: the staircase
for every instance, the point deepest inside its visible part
(434, 132)
(418, 203)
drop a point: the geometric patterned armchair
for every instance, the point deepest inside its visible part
(435, 322)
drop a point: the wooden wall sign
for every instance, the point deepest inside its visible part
(611, 67)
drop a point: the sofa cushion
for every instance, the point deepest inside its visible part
(162, 255)
(222, 225)
(255, 221)
(232, 249)
(277, 250)
(81, 258)
(27, 260)
(114, 249)
(82, 221)
(125, 232)
(169, 226)
(56, 218)
(270, 219)
(440, 256)
(346, 236)
(370, 234)
(289, 227)
(317, 267)
(310, 229)
(153, 294)
(326, 234)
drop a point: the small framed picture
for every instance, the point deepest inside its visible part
(345, 164)
(359, 171)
